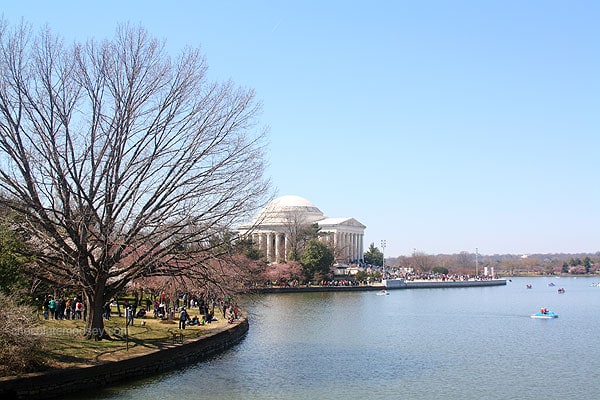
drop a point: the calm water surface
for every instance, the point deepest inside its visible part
(461, 343)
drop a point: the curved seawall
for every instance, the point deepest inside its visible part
(426, 284)
(386, 284)
(60, 382)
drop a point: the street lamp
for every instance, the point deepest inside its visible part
(383, 259)
(476, 266)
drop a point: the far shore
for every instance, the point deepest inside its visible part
(403, 285)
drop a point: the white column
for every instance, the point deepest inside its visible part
(277, 246)
(350, 245)
(286, 244)
(360, 246)
(268, 235)
(346, 247)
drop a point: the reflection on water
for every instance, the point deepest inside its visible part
(461, 343)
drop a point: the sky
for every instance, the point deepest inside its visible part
(443, 126)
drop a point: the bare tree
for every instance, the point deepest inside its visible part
(422, 261)
(465, 262)
(120, 158)
(403, 262)
(295, 226)
(299, 230)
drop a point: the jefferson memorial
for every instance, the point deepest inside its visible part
(272, 229)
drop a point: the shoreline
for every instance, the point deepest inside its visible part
(74, 379)
(58, 383)
(392, 284)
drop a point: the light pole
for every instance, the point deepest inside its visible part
(383, 259)
(476, 266)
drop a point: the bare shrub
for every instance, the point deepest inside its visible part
(21, 340)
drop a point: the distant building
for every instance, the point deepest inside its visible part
(272, 229)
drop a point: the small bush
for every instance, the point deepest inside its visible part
(21, 342)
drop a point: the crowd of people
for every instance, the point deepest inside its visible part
(206, 310)
(325, 282)
(430, 276)
(341, 283)
(161, 308)
(61, 308)
(164, 309)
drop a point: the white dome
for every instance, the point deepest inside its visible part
(290, 200)
(289, 209)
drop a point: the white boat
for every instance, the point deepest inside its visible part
(383, 293)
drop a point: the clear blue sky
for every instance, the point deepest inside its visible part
(443, 126)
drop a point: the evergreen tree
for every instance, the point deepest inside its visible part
(12, 276)
(316, 259)
(373, 256)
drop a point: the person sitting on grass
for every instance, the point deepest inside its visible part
(141, 313)
(209, 317)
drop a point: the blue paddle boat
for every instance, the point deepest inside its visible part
(544, 313)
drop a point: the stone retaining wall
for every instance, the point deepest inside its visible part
(59, 382)
(315, 289)
(401, 285)
(450, 284)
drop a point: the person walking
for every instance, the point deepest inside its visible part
(52, 308)
(60, 308)
(68, 309)
(107, 310)
(73, 307)
(129, 315)
(79, 309)
(183, 317)
(46, 307)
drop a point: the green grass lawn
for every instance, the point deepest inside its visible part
(65, 345)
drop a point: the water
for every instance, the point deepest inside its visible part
(461, 343)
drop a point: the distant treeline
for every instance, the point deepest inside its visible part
(513, 264)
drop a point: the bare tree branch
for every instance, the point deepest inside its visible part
(118, 156)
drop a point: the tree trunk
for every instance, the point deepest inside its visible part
(118, 306)
(94, 310)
